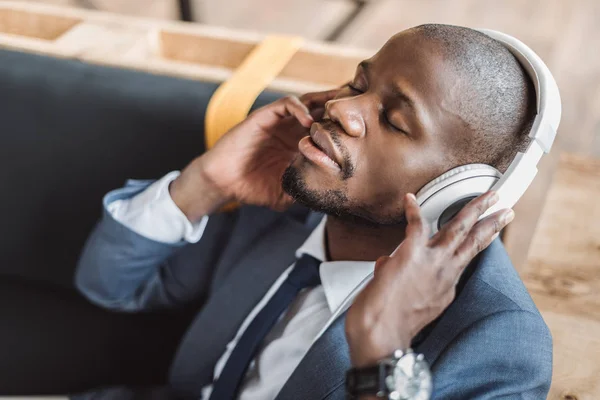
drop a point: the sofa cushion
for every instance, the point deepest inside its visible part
(72, 131)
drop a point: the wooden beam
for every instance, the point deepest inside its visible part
(165, 47)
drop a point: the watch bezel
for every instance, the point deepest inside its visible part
(423, 379)
(380, 380)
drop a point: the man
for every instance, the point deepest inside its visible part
(434, 97)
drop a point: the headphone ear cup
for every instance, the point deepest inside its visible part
(442, 198)
(453, 209)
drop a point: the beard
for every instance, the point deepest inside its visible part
(333, 202)
(330, 202)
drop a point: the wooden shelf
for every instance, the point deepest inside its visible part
(174, 48)
(33, 24)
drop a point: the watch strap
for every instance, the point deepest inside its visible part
(368, 381)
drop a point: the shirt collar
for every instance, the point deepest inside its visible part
(339, 278)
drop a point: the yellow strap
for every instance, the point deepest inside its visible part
(232, 101)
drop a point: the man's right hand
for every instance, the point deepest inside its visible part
(417, 282)
(247, 163)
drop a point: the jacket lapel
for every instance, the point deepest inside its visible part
(258, 260)
(323, 369)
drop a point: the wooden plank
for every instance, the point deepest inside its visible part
(114, 40)
(576, 353)
(563, 275)
(222, 52)
(312, 19)
(36, 25)
(168, 47)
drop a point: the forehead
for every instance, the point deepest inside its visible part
(415, 62)
(419, 68)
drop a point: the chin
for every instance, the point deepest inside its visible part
(323, 199)
(333, 202)
(327, 201)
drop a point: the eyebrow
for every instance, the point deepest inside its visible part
(395, 90)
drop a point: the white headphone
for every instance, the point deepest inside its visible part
(443, 197)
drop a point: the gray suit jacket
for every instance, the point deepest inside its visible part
(490, 343)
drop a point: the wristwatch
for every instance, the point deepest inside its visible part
(403, 376)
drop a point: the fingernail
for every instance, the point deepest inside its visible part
(493, 198)
(508, 217)
(412, 197)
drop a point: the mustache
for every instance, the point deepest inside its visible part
(334, 130)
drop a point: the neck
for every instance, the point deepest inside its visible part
(351, 241)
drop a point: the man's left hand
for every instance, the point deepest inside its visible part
(414, 285)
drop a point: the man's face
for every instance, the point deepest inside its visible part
(388, 133)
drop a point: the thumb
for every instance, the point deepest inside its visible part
(379, 264)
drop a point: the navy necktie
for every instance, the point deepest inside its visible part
(305, 274)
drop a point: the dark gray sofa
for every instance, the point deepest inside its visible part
(69, 133)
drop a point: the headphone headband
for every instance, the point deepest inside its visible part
(548, 103)
(523, 168)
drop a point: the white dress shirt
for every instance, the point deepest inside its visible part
(153, 214)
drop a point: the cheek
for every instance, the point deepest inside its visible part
(376, 182)
(384, 178)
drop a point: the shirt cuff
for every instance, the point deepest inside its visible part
(154, 215)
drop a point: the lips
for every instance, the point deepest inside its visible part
(322, 140)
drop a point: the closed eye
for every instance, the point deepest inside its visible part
(394, 127)
(354, 89)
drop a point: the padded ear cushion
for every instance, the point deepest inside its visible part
(452, 188)
(452, 175)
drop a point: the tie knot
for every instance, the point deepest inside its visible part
(305, 273)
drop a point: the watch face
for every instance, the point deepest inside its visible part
(411, 379)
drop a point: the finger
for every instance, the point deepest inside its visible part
(284, 107)
(317, 113)
(417, 229)
(381, 261)
(294, 107)
(480, 237)
(318, 99)
(452, 234)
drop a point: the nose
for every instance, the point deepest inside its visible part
(347, 113)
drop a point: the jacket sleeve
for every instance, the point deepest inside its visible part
(125, 271)
(507, 355)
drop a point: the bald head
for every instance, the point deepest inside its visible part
(497, 98)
